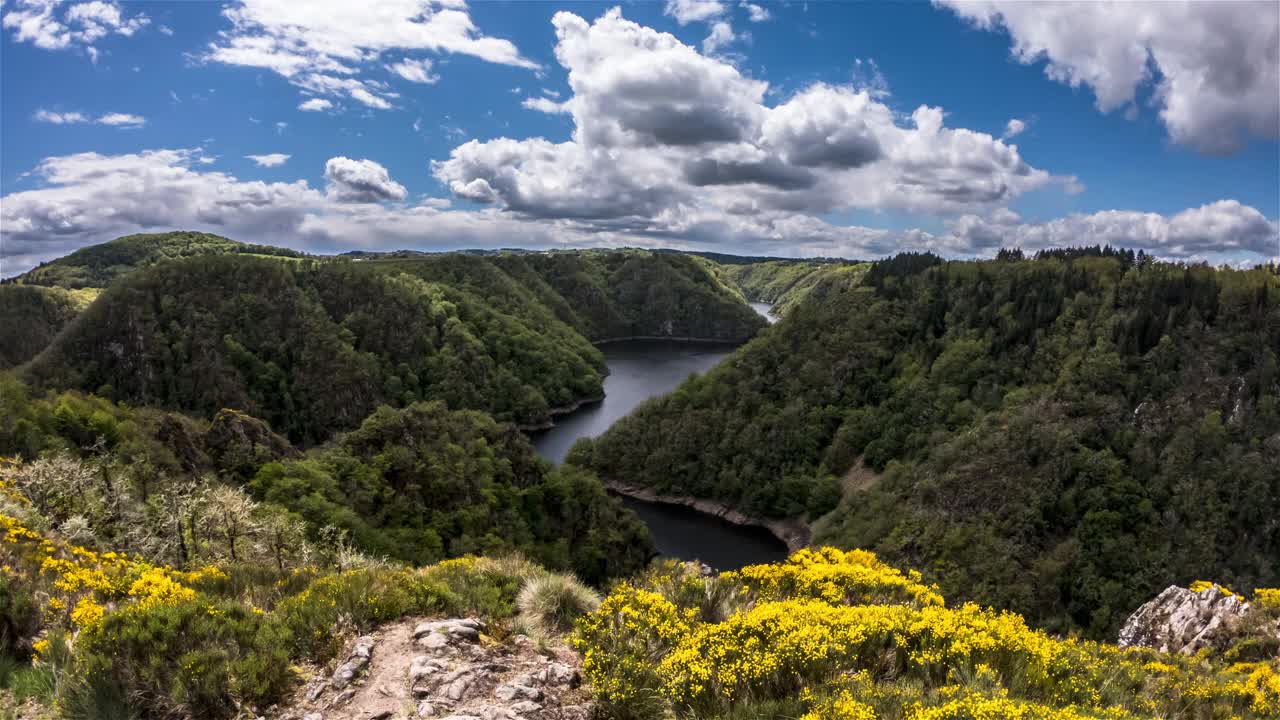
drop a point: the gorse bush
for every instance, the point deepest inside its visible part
(106, 635)
(841, 635)
(194, 656)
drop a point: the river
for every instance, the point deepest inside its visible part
(639, 370)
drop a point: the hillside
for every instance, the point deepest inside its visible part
(418, 484)
(31, 316)
(314, 346)
(1063, 437)
(97, 266)
(785, 283)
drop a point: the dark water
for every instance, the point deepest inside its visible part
(639, 370)
(765, 310)
(682, 532)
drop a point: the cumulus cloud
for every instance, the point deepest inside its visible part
(690, 11)
(324, 47)
(668, 139)
(360, 181)
(315, 105)
(88, 198)
(1013, 128)
(1218, 228)
(418, 71)
(115, 119)
(1213, 68)
(270, 159)
(51, 25)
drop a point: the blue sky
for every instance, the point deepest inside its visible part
(141, 116)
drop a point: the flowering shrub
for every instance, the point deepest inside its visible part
(836, 576)
(622, 643)
(853, 638)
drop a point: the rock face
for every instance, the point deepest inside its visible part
(1179, 620)
(445, 669)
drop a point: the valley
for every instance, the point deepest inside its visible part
(305, 443)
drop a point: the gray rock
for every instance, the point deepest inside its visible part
(313, 716)
(465, 629)
(457, 684)
(356, 662)
(511, 691)
(558, 674)
(343, 697)
(1181, 621)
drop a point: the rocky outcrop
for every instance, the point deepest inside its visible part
(446, 669)
(1183, 621)
(240, 443)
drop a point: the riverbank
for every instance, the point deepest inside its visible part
(793, 532)
(553, 413)
(673, 338)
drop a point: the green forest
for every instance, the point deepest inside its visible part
(1062, 436)
(218, 462)
(313, 346)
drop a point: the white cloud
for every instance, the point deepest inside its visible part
(1213, 68)
(51, 25)
(115, 119)
(87, 198)
(122, 120)
(315, 105)
(545, 105)
(669, 141)
(689, 11)
(360, 181)
(1013, 128)
(418, 71)
(756, 12)
(165, 30)
(270, 159)
(57, 118)
(1221, 228)
(324, 47)
(720, 36)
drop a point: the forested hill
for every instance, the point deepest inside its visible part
(97, 266)
(1064, 436)
(31, 316)
(315, 345)
(785, 283)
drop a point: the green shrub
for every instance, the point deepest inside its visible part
(201, 658)
(19, 617)
(553, 603)
(356, 599)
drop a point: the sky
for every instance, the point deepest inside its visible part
(792, 129)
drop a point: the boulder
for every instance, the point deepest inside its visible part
(1182, 621)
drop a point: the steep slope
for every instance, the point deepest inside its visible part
(310, 349)
(31, 316)
(314, 346)
(632, 293)
(785, 283)
(1063, 436)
